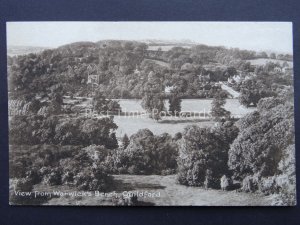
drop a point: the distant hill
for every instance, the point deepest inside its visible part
(23, 50)
(169, 42)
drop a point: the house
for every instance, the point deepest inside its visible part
(234, 79)
(93, 78)
(93, 74)
(287, 69)
(247, 77)
(93, 69)
(168, 89)
(137, 70)
(277, 69)
(204, 78)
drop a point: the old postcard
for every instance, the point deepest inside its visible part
(151, 113)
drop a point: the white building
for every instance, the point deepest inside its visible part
(235, 79)
(168, 89)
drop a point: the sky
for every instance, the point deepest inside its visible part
(259, 36)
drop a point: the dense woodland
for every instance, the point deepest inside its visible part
(52, 143)
(123, 69)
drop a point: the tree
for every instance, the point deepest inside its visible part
(174, 104)
(263, 136)
(285, 64)
(103, 105)
(67, 133)
(252, 90)
(217, 110)
(202, 150)
(125, 141)
(230, 71)
(273, 55)
(113, 106)
(97, 131)
(112, 142)
(30, 108)
(287, 168)
(263, 55)
(152, 100)
(20, 130)
(55, 105)
(146, 154)
(100, 103)
(154, 105)
(246, 66)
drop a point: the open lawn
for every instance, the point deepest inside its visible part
(131, 124)
(262, 61)
(188, 105)
(160, 190)
(161, 63)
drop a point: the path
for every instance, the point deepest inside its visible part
(161, 63)
(232, 92)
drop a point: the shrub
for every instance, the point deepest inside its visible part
(268, 185)
(67, 178)
(168, 172)
(133, 170)
(260, 145)
(203, 154)
(224, 183)
(287, 197)
(91, 179)
(34, 175)
(16, 169)
(145, 154)
(54, 177)
(130, 201)
(44, 170)
(122, 170)
(250, 184)
(22, 185)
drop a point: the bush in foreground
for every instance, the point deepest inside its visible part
(203, 154)
(145, 154)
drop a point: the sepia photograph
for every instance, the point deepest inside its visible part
(151, 113)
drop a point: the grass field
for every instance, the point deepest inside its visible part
(161, 190)
(189, 105)
(161, 63)
(131, 125)
(259, 62)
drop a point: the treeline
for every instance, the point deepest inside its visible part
(266, 82)
(35, 129)
(145, 153)
(51, 165)
(263, 153)
(123, 69)
(257, 152)
(57, 150)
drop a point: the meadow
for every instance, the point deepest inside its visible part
(263, 61)
(131, 124)
(137, 119)
(170, 193)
